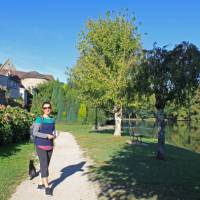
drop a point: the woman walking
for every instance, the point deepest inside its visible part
(44, 132)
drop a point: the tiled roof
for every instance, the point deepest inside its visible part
(24, 75)
(8, 68)
(35, 74)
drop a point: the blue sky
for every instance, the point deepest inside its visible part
(42, 35)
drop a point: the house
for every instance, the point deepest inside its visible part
(11, 84)
(31, 80)
(20, 83)
(2, 95)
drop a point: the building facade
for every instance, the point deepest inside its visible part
(19, 83)
(11, 84)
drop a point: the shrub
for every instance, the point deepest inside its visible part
(14, 124)
(82, 113)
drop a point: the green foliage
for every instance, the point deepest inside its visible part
(169, 75)
(181, 112)
(54, 96)
(41, 94)
(14, 124)
(72, 103)
(109, 49)
(52, 91)
(82, 113)
(184, 62)
(143, 106)
(60, 103)
(101, 116)
(78, 111)
(195, 106)
(65, 103)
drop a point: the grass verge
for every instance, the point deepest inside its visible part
(14, 160)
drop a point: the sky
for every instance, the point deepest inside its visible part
(42, 35)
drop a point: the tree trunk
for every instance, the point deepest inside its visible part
(96, 119)
(189, 107)
(161, 135)
(118, 120)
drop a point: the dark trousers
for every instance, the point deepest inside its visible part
(44, 157)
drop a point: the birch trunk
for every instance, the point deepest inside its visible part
(161, 135)
(118, 120)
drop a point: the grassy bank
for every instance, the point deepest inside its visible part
(132, 172)
(14, 160)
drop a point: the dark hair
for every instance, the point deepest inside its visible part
(46, 102)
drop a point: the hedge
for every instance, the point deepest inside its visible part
(14, 124)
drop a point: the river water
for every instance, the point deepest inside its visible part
(181, 134)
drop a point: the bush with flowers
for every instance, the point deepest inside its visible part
(14, 124)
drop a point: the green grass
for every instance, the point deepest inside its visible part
(131, 171)
(14, 160)
(98, 146)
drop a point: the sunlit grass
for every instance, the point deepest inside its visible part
(127, 171)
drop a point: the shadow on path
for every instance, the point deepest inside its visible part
(66, 172)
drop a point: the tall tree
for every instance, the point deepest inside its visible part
(72, 103)
(185, 80)
(109, 49)
(42, 93)
(170, 76)
(54, 96)
(61, 103)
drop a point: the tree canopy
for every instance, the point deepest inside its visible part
(109, 49)
(170, 75)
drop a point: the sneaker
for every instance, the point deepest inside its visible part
(40, 186)
(48, 191)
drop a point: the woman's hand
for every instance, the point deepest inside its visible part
(50, 137)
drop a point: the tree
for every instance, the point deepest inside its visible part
(109, 49)
(53, 92)
(171, 76)
(54, 96)
(42, 93)
(187, 79)
(195, 106)
(72, 102)
(61, 102)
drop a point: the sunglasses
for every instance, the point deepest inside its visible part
(45, 108)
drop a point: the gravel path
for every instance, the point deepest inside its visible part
(67, 175)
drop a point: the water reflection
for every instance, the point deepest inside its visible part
(181, 134)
